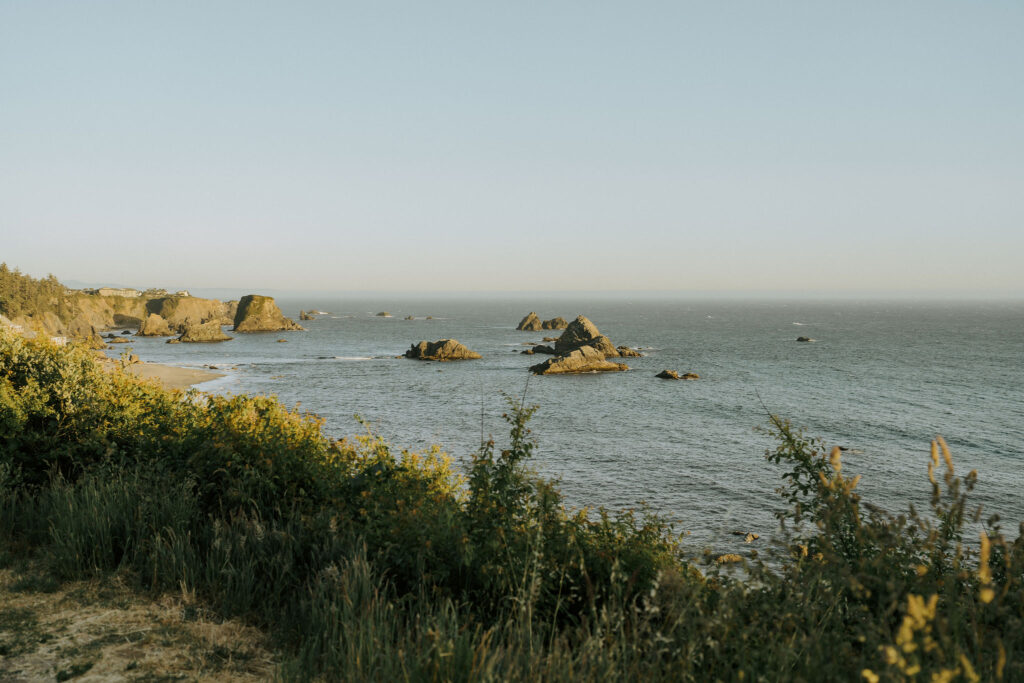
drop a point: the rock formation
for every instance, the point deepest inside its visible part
(154, 326)
(804, 339)
(206, 332)
(533, 323)
(530, 323)
(182, 311)
(383, 314)
(443, 350)
(672, 374)
(305, 316)
(260, 314)
(583, 359)
(581, 332)
(627, 352)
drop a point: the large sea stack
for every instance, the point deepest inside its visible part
(443, 350)
(260, 314)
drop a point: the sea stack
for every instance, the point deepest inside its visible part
(260, 314)
(154, 326)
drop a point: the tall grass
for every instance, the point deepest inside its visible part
(370, 564)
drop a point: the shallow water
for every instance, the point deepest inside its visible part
(882, 379)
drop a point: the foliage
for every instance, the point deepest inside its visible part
(22, 294)
(370, 563)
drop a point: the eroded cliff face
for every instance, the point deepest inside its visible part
(84, 316)
(180, 312)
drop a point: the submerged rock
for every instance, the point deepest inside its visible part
(583, 359)
(442, 350)
(672, 374)
(260, 314)
(206, 332)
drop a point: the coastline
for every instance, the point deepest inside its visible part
(171, 376)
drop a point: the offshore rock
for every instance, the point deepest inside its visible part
(627, 352)
(442, 350)
(583, 359)
(530, 323)
(557, 323)
(581, 332)
(154, 326)
(672, 374)
(260, 314)
(305, 316)
(544, 348)
(206, 332)
(804, 339)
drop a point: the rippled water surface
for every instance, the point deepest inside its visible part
(882, 378)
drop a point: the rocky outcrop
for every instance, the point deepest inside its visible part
(544, 348)
(305, 316)
(583, 359)
(154, 326)
(530, 323)
(443, 350)
(804, 339)
(672, 374)
(260, 314)
(626, 352)
(383, 314)
(581, 332)
(205, 332)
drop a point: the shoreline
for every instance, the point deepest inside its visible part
(169, 376)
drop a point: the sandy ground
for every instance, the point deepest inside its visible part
(173, 377)
(101, 630)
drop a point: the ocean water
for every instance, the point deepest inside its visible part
(882, 379)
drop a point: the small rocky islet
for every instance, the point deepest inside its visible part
(441, 350)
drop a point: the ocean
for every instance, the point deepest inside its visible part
(882, 378)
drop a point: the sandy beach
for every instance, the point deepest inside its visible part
(172, 377)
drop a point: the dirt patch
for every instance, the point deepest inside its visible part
(101, 630)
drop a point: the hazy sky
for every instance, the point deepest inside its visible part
(800, 146)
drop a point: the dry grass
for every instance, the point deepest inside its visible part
(100, 630)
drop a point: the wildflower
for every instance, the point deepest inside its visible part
(869, 675)
(984, 572)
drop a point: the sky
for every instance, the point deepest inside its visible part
(756, 146)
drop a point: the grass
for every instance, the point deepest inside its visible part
(365, 563)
